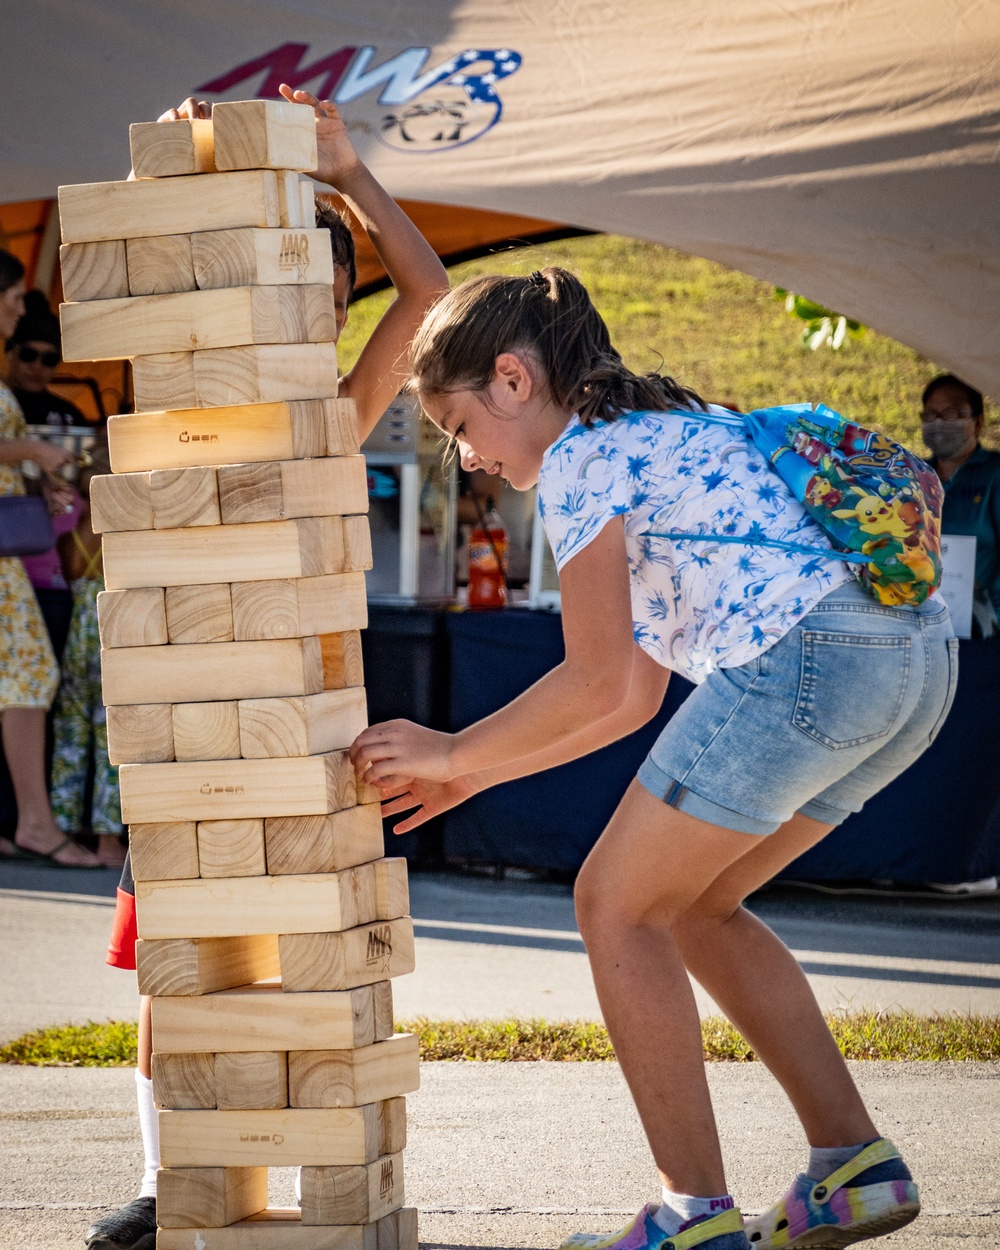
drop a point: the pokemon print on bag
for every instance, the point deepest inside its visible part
(873, 498)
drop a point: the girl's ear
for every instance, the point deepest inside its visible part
(514, 375)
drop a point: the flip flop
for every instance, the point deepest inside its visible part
(48, 857)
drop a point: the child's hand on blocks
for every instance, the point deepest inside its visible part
(337, 157)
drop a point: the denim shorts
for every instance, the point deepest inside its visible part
(817, 724)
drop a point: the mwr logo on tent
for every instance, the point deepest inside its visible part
(423, 110)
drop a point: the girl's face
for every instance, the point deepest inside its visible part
(11, 308)
(505, 429)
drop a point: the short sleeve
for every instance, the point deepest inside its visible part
(584, 482)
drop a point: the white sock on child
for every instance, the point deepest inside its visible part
(150, 1129)
(679, 1210)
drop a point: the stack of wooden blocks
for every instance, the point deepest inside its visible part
(235, 544)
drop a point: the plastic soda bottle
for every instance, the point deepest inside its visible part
(488, 562)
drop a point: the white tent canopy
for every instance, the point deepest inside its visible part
(845, 151)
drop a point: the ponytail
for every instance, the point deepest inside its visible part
(551, 315)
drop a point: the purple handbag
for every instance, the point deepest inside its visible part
(25, 526)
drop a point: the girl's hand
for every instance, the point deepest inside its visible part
(430, 798)
(48, 456)
(58, 494)
(337, 158)
(397, 750)
(191, 109)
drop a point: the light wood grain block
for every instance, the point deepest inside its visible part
(132, 618)
(384, 1025)
(247, 1082)
(264, 373)
(206, 672)
(211, 554)
(337, 961)
(160, 266)
(231, 848)
(300, 607)
(120, 502)
(184, 1082)
(332, 486)
(351, 1078)
(206, 731)
(197, 613)
(236, 789)
(281, 1228)
(392, 890)
(290, 200)
(94, 270)
(140, 733)
(308, 192)
(260, 1017)
(342, 427)
(184, 966)
(357, 543)
(261, 257)
(342, 660)
(183, 497)
(162, 381)
(193, 436)
(264, 134)
(352, 1195)
(307, 844)
(183, 205)
(240, 906)
(303, 725)
(167, 149)
(208, 1197)
(149, 325)
(163, 850)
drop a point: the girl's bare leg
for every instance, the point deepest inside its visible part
(145, 1059)
(23, 731)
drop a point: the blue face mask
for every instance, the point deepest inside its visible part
(948, 438)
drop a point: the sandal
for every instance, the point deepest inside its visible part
(716, 1232)
(49, 857)
(831, 1214)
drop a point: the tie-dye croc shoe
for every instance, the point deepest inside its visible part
(833, 1213)
(716, 1232)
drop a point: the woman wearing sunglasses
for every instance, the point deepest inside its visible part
(33, 355)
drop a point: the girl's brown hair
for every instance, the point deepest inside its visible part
(550, 315)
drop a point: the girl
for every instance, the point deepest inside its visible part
(811, 697)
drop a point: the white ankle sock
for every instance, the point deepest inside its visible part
(678, 1210)
(150, 1129)
(826, 1159)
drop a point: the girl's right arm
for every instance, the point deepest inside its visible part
(46, 455)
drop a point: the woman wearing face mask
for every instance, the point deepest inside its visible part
(952, 424)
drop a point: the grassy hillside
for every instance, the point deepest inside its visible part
(717, 330)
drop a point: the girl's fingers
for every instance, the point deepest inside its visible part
(402, 803)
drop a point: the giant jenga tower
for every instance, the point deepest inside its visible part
(235, 544)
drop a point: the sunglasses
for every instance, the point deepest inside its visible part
(28, 356)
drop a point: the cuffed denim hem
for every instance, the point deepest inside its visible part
(816, 810)
(662, 786)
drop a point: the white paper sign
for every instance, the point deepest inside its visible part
(958, 562)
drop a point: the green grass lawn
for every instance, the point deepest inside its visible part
(719, 331)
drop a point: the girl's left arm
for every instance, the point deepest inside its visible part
(590, 685)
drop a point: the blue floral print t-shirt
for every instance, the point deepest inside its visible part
(697, 605)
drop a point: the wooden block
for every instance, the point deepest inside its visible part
(147, 325)
(166, 149)
(239, 906)
(197, 613)
(264, 134)
(281, 1228)
(183, 497)
(304, 725)
(140, 733)
(163, 850)
(132, 618)
(280, 1138)
(231, 848)
(307, 844)
(120, 502)
(237, 789)
(207, 731)
(338, 961)
(263, 374)
(352, 1195)
(146, 207)
(164, 381)
(262, 257)
(160, 266)
(247, 1082)
(184, 1082)
(260, 1017)
(182, 966)
(290, 200)
(206, 672)
(392, 891)
(384, 1021)
(94, 270)
(252, 432)
(300, 607)
(351, 1078)
(308, 193)
(342, 427)
(208, 554)
(357, 543)
(342, 660)
(397, 1231)
(332, 486)
(209, 1197)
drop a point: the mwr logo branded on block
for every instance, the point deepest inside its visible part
(379, 946)
(422, 110)
(294, 254)
(385, 1180)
